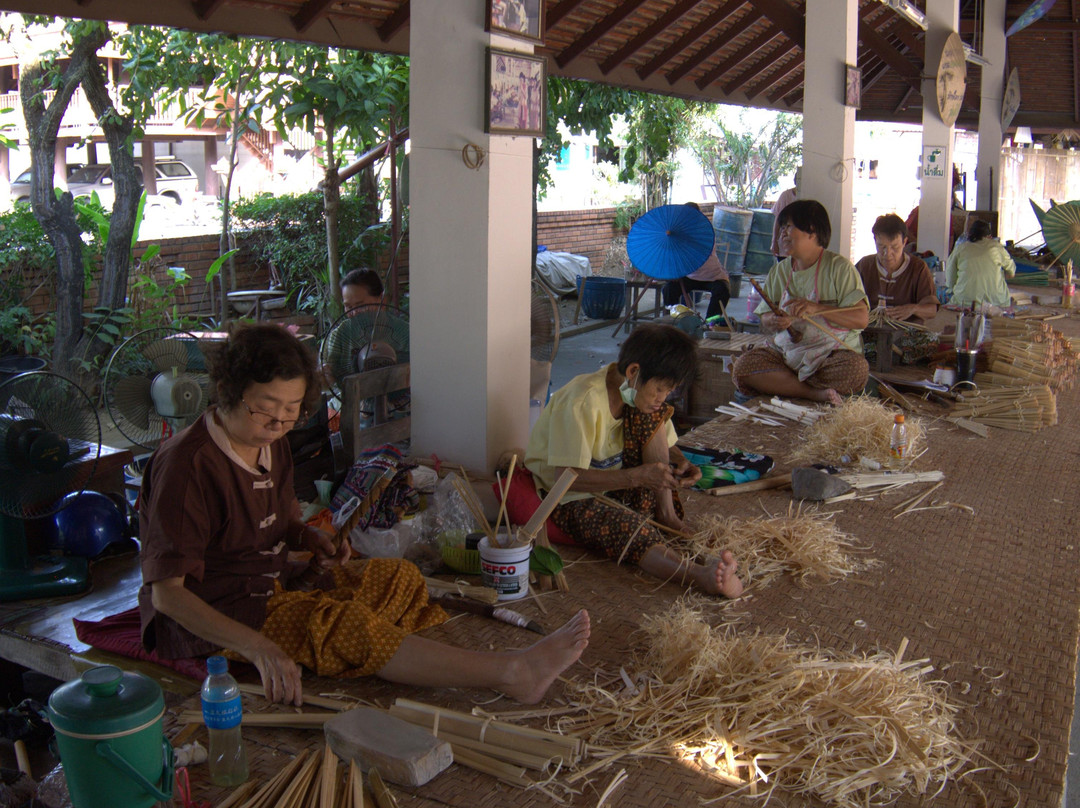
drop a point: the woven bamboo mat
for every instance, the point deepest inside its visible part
(990, 598)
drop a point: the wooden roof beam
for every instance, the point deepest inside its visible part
(721, 40)
(784, 17)
(794, 82)
(311, 12)
(556, 15)
(747, 50)
(760, 69)
(204, 8)
(584, 42)
(646, 36)
(785, 78)
(394, 23)
(684, 42)
(884, 50)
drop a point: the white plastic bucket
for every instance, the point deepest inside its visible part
(505, 570)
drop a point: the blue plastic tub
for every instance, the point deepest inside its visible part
(602, 298)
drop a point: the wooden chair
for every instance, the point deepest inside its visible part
(375, 385)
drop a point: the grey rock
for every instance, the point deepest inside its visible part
(402, 752)
(815, 484)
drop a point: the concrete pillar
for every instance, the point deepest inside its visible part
(829, 125)
(147, 162)
(935, 200)
(991, 94)
(469, 243)
(212, 182)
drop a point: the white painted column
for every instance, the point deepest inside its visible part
(992, 92)
(469, 244)
(935, 200)
(829, 125)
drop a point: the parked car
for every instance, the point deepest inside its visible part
(20, 186)
(176, 182)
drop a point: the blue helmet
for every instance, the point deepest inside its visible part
(88, 522)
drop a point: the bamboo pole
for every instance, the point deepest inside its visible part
(294, 720)
(764, 484)
(512, 775)
(313, 701)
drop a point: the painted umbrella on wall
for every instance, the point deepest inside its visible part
(1061, 229)
(670, 241)
(1036, 11)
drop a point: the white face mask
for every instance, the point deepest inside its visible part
(627, 393)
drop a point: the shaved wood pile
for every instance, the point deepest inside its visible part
(308, 781)
(858, 429)
(806, 544)
(766, 715)
(1021, 409)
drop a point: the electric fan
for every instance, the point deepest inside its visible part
(50, 441)
(156, 384)
(367, 338)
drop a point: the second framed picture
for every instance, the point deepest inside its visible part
(523, 19)
(517, 94)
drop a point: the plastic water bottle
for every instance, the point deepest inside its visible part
(752, 301)
(898, 439)
(222, 713)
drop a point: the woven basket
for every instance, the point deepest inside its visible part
(462, 560)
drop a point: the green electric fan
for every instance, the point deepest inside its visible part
(50, 441)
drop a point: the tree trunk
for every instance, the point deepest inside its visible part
(331, 204)
(57, 216)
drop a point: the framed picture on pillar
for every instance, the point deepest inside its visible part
(523, 19)
(517, 94)
(852, 86)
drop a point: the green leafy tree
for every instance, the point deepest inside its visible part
(76, 347)
(745, 159)
(659, 126)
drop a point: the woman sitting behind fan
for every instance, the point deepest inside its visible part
(977, 269)
(613, 427)
(820, 360)
(218, 518)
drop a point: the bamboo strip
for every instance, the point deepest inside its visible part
(658, 525)
(295, 720)
(241, 792)
(294, 795)
(356, 785)
(328, 781)
(512, 775)
(534, 762)
(513, 736)
(269, 793)
(384, 797)
(314, 701)
(504, 489)
(468, 496)
(483, 594)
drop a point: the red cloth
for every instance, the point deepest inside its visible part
(122, 634)
(522, 502)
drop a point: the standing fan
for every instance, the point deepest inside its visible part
(156, 384)
(50, 441)
(367, 338)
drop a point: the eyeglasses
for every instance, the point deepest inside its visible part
(268, 421)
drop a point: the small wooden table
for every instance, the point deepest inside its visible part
(884, 339)
(256, 296)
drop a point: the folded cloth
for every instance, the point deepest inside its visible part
(122, 634)
(398, 499)
(727, 468)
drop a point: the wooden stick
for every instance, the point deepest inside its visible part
(765, 483)
(356, 784)
(384, 797)
(548, 504)
(504, 489)
(238, 794)
(296, 791)
(513, 775)
(294, 720)
(269, 793)
(313, 701)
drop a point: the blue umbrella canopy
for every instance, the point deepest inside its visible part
(670, 241)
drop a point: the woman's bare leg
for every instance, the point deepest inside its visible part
(787, 384)
(523, 675)
(718, 577)
(656, 451)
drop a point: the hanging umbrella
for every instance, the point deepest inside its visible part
(1061, 229)
(670, 241)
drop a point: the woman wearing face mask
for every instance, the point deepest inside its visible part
(613, 427)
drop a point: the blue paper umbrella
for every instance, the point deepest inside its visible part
(670, 241)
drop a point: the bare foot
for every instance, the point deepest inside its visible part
(533, 670)
(719, 578)
(833, 397)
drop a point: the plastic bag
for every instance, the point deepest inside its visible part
(53, 790)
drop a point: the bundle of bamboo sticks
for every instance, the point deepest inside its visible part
(504, 750)
(765, 715)
(1022, 409)
(1048, 362)
(312, 781)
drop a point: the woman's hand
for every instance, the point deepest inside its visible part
(804, 308)
(657, 476)
(321, 544)
(280, 675)
(686, 473)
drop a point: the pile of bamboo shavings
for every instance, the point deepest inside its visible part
(1021, 409)
(859, 428)
(806, 544)
(851, 730)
